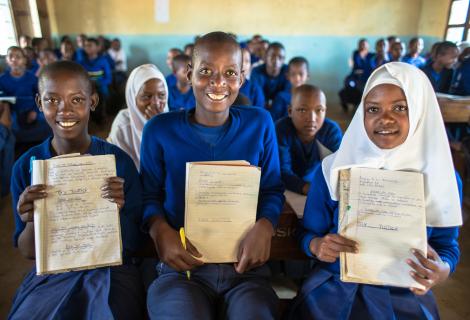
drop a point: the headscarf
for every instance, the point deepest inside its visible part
(426, 148)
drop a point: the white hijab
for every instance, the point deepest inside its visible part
(425, 150)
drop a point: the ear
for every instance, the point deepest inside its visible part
(94, 101)
(242, 77)
(38, 101)
(289, 111)
(189, 72)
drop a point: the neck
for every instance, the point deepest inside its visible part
(437, 66)
(182, 86)
(17, 72)
(77, 145)
(306, 139)
(92, 56)
(211, 119)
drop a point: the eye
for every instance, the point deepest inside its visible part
(372, 109)
(51, 100)
(204, 71)
(78, 100)
(401, 108)
(231, 73)
(301, 110)
(162, 95)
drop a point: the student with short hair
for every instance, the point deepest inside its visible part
(212, 131)
(45, 57)
(250, 89)
(305, 137)
(66, 98)
(117, 53)
(180, 94)
(297, 75)
(271, 76)
(413, 57)
(173, 52)
(440, 71)
(396, 51)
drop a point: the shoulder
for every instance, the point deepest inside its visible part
(164, 124)
(23, 164)
(251, 114)
(331, 125)
(259, 70)
(284, 125)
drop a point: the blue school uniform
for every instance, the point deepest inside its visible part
(280, 104)
(324, 296)
(270, 85)
(178, 100)
(170, 79)
(165, 150)
(298, 161)
(441, 81)
(253, 92)
(461, 82)
(79, 55)
(361, 65)
(374, 62)
(24, 88)
(101, 293)
(7, 157)
(34, 66)
(99, 71)
(418, 62)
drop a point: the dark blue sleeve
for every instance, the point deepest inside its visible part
(290, 179)
(444, 241)
(257, 78)
(330, 135)
(257, 96)
(107, 76)
(271, 197)
(279, 107)
(152, 174)
(466, 78)
(318, 219)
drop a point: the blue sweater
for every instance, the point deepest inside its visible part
(321, 218)
(99, 71)
(178, 100)
(298, 162)
(24, 88)
(253, 92)
(270, 85)
(130, 214)
(418, 62)
(461, 82)
(169, 141)
(280, 104)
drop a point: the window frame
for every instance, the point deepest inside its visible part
(465, 25)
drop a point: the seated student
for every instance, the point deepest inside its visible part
(305, 137)
(413, 57)
(80, 52)
(117, 53)
(271, 76)
(188, 49)
(146, 96)
(7, 149)
(218, 131)
(390, 130)
(390, 41)
(67, 51)
(396, 51)
(28, 125)
(173, 52)
(45, 57)
(361, 57)
(180, 94)
(32, 64)
(381, 55)
(440, 72)
(97, 66)
(249, 89)
(461, 82)
(66, 98)
(297, 74)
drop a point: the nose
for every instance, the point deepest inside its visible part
(311, 116)
(217, 80)
(387, 118)
(65, 107)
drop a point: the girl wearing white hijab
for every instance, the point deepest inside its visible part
(146, 96)
(397, 126)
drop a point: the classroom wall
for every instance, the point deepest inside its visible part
(324, 31)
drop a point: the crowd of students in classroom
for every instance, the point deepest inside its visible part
(225, 100)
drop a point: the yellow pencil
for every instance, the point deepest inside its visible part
(183, 241)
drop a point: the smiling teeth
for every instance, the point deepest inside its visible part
(216, 96)
(385, 132)
(67, 124)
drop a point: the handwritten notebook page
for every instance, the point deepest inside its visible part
(384, 212)
(75, 228)
(221, 203)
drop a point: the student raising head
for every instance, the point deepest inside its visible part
(297, 74)
(440, 71)
(180, 93)
(212, 131)
(305, 137)
(66, 99)
(146, 97)
(390, 130)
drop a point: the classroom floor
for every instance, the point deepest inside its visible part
(451, 296)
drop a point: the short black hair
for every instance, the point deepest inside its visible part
(444, 46)
(298, 60)
(216, 37)
(414, 40)
(17, 48)
(180, 60)
(94, 40)
(307, 89)
(392, 38)
(63, 66)
(275, 45)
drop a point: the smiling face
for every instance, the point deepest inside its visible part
(307, 113)
(386, 116)
(216, 77)
(151, 95)
(65, 98)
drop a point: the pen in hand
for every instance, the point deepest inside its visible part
(183, 241)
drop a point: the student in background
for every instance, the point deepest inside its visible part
(45, 57)
(188, 49)
(173, 52)
(39, 44)
(297, 74)
(461, 81)
(117, 53)
(361, 57)
(391, 130)
(146, 97)
(440, 72)
(390, 41)
(413, 57)
(213, 131)
(32, 64)
(28, 125)
(67, 51)
(249, 89)
(66, 98)
(381, 56)
(80, 50)
(271, 76)
(97, 66)
(24, 41)
(7, 149)
(396, 51)
(305, 137)
(180, 94)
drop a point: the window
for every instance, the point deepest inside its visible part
(458, 23)
(7, 35)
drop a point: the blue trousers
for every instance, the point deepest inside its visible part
(215, 291)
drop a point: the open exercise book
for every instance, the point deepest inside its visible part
(75, 228)
(384, 212)
(221, 203)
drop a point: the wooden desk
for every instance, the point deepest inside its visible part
(454, 111)
(284, 245)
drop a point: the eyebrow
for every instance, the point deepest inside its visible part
(51, 92)
(211, 64)
(378, 102)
